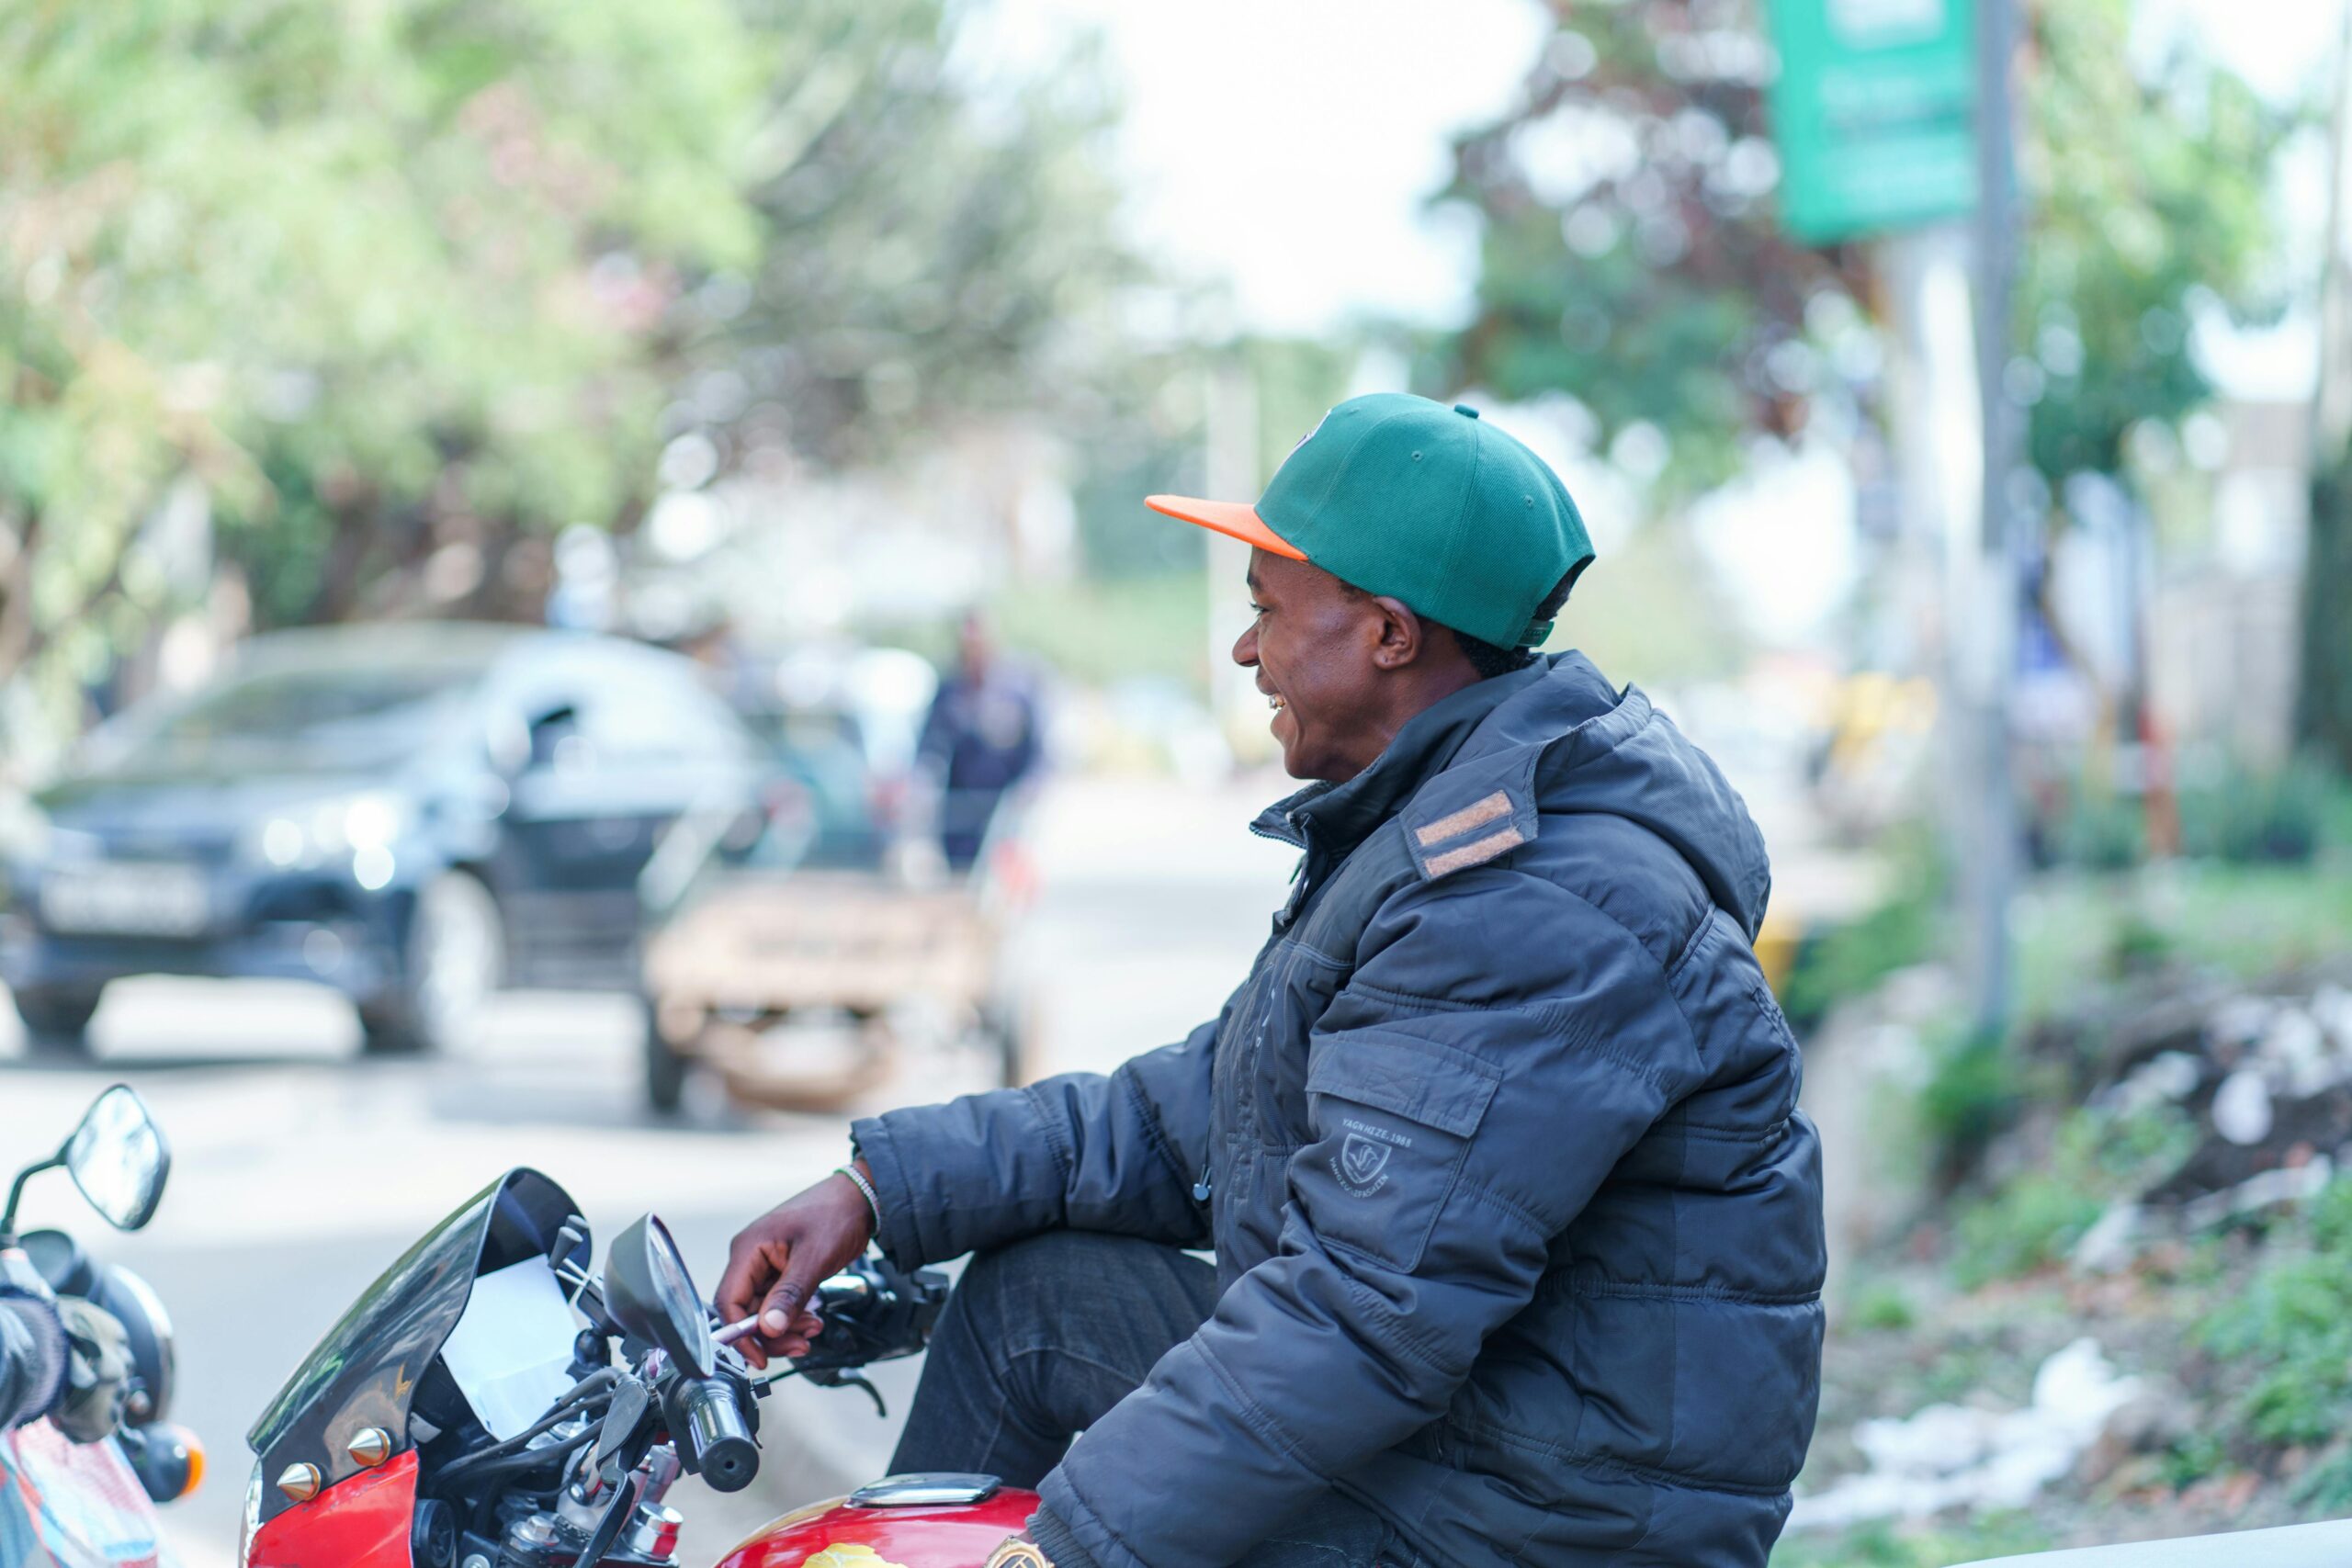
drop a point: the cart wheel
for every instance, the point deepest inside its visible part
(665, 1067)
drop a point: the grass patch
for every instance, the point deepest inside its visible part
(1901, 930)
(2287, 1335)
(2095, 1158)
(2243, 922)
(2030, 1225)
(1971, 1094)
(1883, 1307)
(1882, 1544)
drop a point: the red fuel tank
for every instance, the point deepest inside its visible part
(841, 1534)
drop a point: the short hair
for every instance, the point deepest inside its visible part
(1490, 659)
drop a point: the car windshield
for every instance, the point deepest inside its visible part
(345, 719)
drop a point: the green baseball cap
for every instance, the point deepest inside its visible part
(1414, 500)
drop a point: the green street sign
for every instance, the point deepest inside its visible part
(1874, 113)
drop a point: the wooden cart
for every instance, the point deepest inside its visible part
(756, 948)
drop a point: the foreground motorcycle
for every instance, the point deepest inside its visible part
(78, 1487)
(460, 1416)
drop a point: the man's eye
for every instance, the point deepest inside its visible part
(1256, 608)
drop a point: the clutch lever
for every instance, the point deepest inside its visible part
(848, 1377)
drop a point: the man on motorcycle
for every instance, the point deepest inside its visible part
(1517, 1226)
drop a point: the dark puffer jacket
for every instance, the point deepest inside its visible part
(1518, 1224)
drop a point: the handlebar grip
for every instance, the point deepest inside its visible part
(707, 1423)
(848, 1289)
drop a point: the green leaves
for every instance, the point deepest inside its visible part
(2147, 199)
(371, 259)
(394, 281)
(1632, 259)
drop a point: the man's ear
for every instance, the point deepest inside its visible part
(1402, 635)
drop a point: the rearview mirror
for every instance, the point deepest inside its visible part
(651, 1296)
(119, 1159)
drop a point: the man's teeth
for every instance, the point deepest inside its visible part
(1273, 702)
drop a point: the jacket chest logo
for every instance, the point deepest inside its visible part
(1363, 1163)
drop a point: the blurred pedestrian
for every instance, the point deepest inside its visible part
(1517, 1226)
(980, 741)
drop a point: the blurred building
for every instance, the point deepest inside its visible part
(2223, 613)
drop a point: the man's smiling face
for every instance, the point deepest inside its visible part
(1317, 647)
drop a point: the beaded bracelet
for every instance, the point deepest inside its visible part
(857, 1178)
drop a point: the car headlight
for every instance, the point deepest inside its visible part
(348, 825)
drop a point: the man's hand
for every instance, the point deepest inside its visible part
(776, 1262)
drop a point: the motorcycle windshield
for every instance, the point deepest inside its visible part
(365, 1369)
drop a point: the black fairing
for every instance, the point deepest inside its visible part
(59, 1260)
(365, 1371)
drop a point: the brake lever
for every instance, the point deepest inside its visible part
(844, 1377)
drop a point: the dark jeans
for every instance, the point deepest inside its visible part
(1042, 1336)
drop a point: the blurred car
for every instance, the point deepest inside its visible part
(412, 815)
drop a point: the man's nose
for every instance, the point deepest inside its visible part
(1245, 647)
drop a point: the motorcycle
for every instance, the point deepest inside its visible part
(78, 1488)
(489, 1403)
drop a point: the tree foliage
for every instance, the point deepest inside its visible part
(2146, 201)
(929, 241)
(399, 287)
(1632, 257)
(368, 272)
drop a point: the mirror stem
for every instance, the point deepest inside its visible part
(17, 1191)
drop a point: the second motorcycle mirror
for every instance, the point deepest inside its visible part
(117, 1156)
(653, 1297)
(118, 1159)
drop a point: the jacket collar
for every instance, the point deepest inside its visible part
(1343, 816)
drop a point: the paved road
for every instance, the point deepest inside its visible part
(300, 1171)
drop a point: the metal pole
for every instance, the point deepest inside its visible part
(2332, 402)
(1995, 876)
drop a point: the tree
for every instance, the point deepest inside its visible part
(1629, 255)
(2145, 199)
(931, 241)
(1632, 257)
(380, 277)
(399, 290)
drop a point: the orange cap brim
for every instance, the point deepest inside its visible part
(1238, 519)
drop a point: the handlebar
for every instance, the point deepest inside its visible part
(872, 1312)
(707, 1421)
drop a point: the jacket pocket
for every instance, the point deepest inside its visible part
(1394, 1116)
